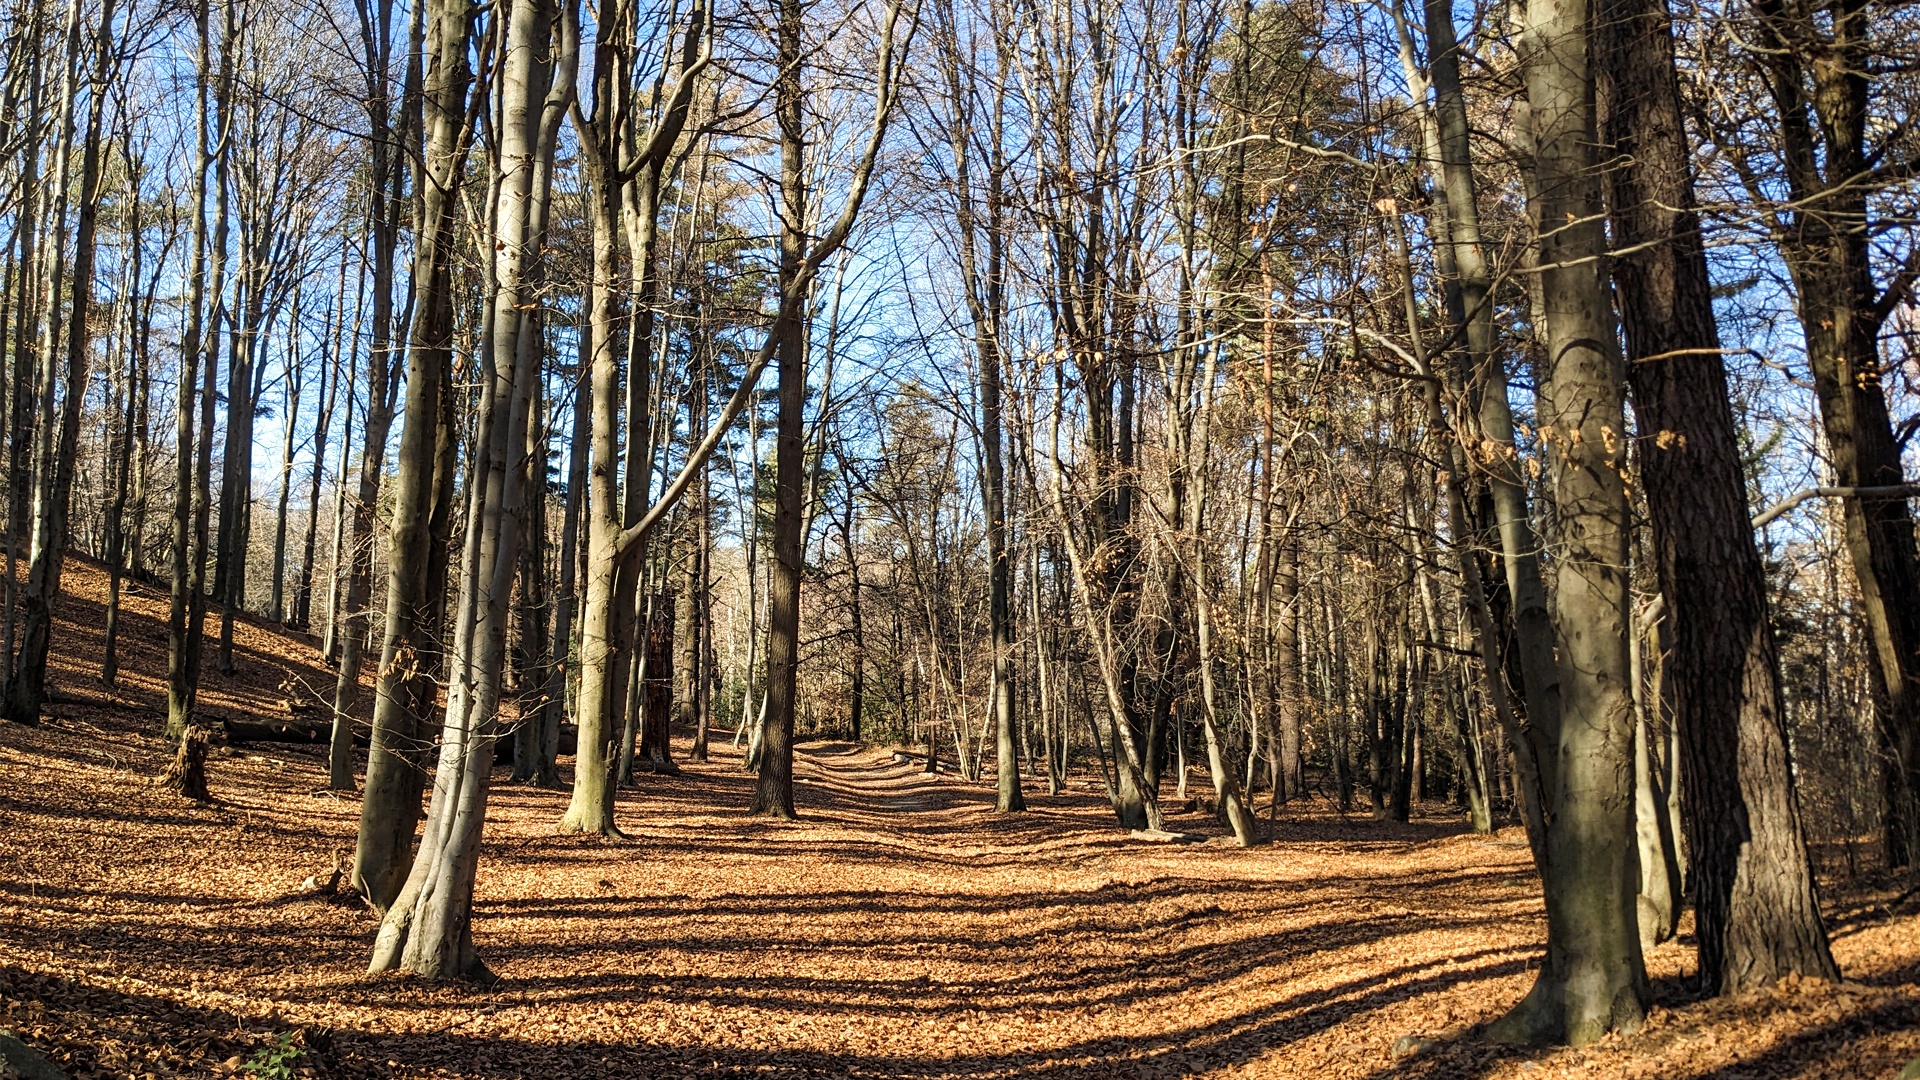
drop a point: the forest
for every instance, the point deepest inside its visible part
(926, 538)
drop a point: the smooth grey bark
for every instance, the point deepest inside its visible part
(614, 158)
(1485, 425)
(1593, 980)
(350, 359)
(428, 929)
(405, 689)
(1497, 461)
(535, 659)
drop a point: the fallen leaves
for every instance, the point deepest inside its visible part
(898, 930)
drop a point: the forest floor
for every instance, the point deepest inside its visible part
(899, 929)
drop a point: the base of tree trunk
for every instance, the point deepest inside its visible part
(187, 775)
(770, 805)
(1551, 1015)
(581, 820)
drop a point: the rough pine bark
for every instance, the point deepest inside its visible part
(1757, 910)
(773, 791)
(1823, 114)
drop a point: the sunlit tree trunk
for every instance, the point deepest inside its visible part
(1593, 980)
(26, 690)
(405, 691)
(1756, 908)
(387, 173)
(428, 930)
(197, 366)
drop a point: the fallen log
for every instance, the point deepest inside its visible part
(274, 731)
(285, 731)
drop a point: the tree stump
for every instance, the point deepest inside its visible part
(187, 775)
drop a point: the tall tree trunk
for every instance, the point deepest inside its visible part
(296, 376)
(26, 691)
(405, 691)
(126, 461)
(189, 506)
(700, 585)
(386, 180)
(236, 457)
(567, 599)
(1826, 227)
(773, 793)
(428, 930)
(322, 425)
(535, 649)
(22, 419)
(1593, 980)
(1486, 377)
(614, 157)
(1757, 912)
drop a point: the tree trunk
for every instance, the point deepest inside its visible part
(656, 692)
(330, 363)
(567, 600)
(1593, 980)
(1823, 108)
(186, 775)
(26, 691)
(405, 690)
(125, 460)
(1758, 915)
(773, 794)
(1532, 660)
(192, 476)
(428, 930)
(535, 658)
(386, 179)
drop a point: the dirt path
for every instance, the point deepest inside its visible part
(899, 930)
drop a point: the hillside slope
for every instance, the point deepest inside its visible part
(899, 930)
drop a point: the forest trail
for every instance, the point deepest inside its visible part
(900, 929)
